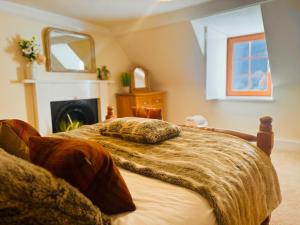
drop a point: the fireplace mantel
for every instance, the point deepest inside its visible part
(46, 91)
(27, 81)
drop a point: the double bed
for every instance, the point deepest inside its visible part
(202, 177)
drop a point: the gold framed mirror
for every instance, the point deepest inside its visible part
(69, 51)
(140, 80)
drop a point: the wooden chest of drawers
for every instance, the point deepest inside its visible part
(153, 99)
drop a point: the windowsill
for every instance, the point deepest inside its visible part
(248, 98)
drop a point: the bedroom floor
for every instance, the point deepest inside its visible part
(287, 163)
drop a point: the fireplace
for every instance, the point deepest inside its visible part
(84, 111)
(48, 91)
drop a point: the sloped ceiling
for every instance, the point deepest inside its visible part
(97, 11)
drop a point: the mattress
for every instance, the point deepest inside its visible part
(160, 203)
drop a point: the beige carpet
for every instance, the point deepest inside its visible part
(286, 160)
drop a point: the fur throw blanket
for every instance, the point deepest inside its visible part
(237, 179)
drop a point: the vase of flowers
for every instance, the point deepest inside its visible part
(126, 80)
(31, 51)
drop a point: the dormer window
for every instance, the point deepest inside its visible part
(236, 55)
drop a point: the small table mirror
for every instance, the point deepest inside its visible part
(139, 81)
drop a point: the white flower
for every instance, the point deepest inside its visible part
(36, 50)
(27, 51)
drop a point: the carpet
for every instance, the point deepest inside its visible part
(286, 160)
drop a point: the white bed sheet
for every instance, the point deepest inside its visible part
(160, 203)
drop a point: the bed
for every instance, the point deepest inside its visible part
(246, 192)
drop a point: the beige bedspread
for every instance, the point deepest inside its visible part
(237, 179)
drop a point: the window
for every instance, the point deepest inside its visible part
(248, 70)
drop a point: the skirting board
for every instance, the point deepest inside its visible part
(282, 144)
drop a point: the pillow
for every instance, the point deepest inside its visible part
(140, 130)
(14, 137)
(21, 128)
(31, 195)
(154, 113)
(139, 112)
(144, 112)
(87, 166)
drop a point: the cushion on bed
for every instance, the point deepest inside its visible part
(31, 195)
(87, 166)
(21, 128)
(154, 113)
(14, 137)
(139, 112)
(144, 112)
(140, 130)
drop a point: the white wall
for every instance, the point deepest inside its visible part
(15, 100)
(175, 61)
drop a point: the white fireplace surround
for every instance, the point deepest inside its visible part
(63, 90)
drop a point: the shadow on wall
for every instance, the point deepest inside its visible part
(14, 50)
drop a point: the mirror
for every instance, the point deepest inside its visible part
(139, 78)
(69, 51)
(139, 81)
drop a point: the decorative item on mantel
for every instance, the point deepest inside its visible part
(31, 51)
(126, 81)
(103, 73)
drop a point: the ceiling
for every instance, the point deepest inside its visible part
(97, 11)
(235, 23)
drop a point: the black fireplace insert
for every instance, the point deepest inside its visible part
(84, 111)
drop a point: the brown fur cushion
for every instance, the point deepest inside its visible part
(30, 195)
(87, 166)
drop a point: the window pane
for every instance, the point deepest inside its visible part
(240, 75)
(259, 48)
(259, 82)
(241, 50)
(259, 72)
(259, 65)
